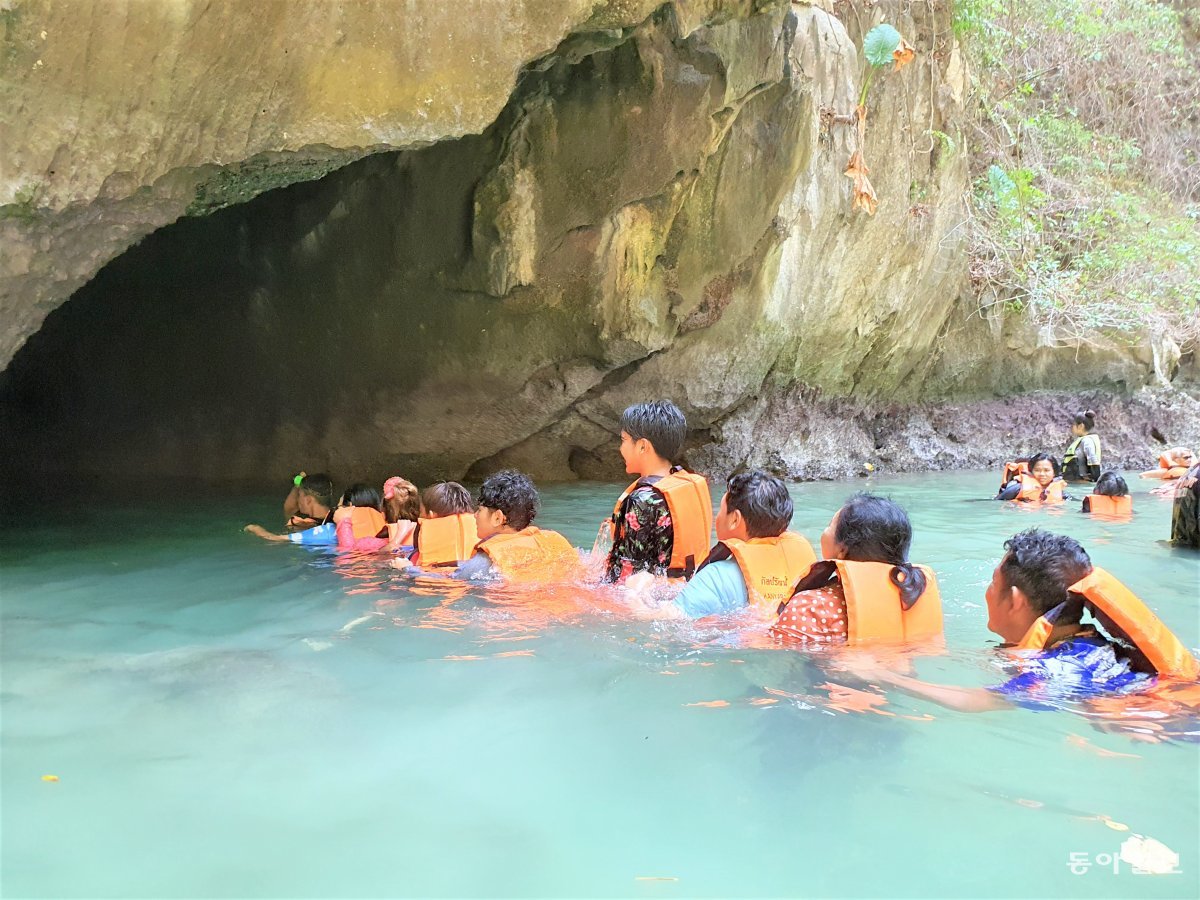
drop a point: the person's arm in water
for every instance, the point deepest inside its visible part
(961, 699)
(477, 568)
(261, 532)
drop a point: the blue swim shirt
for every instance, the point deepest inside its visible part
(716, 590)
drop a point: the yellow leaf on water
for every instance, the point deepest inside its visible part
(49, 778)
(1115, 826)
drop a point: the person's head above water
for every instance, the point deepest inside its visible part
(446, 498)
(651, 434)
(1083, 423)
(362, 495)
(1110, 484)
(870, 528)
(1043, 468)
(315, 491)
(755, 505)
(401, 502)
(508, 502)
(1034, 576)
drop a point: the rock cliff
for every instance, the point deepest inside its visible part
(483, 230)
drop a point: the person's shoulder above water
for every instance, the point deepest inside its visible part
(1083, 665)
(717, 589)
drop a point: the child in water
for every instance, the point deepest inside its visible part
(1041, 485)
(1113, 494)
(663, 521)
(1082, 459)
(359, 519)
(401, 509)
(446, 534)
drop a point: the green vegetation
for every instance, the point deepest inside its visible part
(1087, 165)
(24, 205)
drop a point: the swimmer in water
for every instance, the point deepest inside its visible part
(308, 511)
(1036, 602)
(1040, 485)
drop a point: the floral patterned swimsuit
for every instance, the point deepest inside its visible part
(644, 537)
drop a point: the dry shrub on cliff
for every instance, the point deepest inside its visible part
(1087, 148)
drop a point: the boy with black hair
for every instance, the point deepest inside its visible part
(309, 512)
(663, 522)
(1035, 603)
(756, 560)
(510, 545)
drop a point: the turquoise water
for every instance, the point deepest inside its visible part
(231, 718)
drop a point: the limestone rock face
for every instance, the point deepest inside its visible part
(598, 203)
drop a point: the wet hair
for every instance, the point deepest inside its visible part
(513, 494)
(873, 529)
(319, 487)
(876, 529)
(1110, 484)
(1044, 566)
(1087, 419)
(762, 500)
(661, 423)
(1039, 457)
(363, 495)
(447, 498)
(405, 502)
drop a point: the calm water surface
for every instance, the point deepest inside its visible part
(231, 718)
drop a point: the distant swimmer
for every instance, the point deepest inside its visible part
(1038, 483)
(307, 511)
(756, 561)
(1036, 602)
(1110, 497)
(1082, 460)
(1172, 464)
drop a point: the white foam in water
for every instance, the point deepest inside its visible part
(230, 718)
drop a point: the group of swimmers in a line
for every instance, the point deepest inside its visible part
(863, 590)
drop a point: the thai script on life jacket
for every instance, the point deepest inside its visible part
(771, 566)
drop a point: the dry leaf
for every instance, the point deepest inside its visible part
(903, 55)
(864, 194)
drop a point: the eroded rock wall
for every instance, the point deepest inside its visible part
(657, 208)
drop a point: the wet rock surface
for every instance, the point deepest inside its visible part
(654, 206)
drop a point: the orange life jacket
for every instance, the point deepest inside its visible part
(531, 554)
(1125, 617)
(771, 567)
(1012, 470)
(1032, 491)
(446, 540)
(690, 504)
(1105, 505)
(874, 610)
(368, 522)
